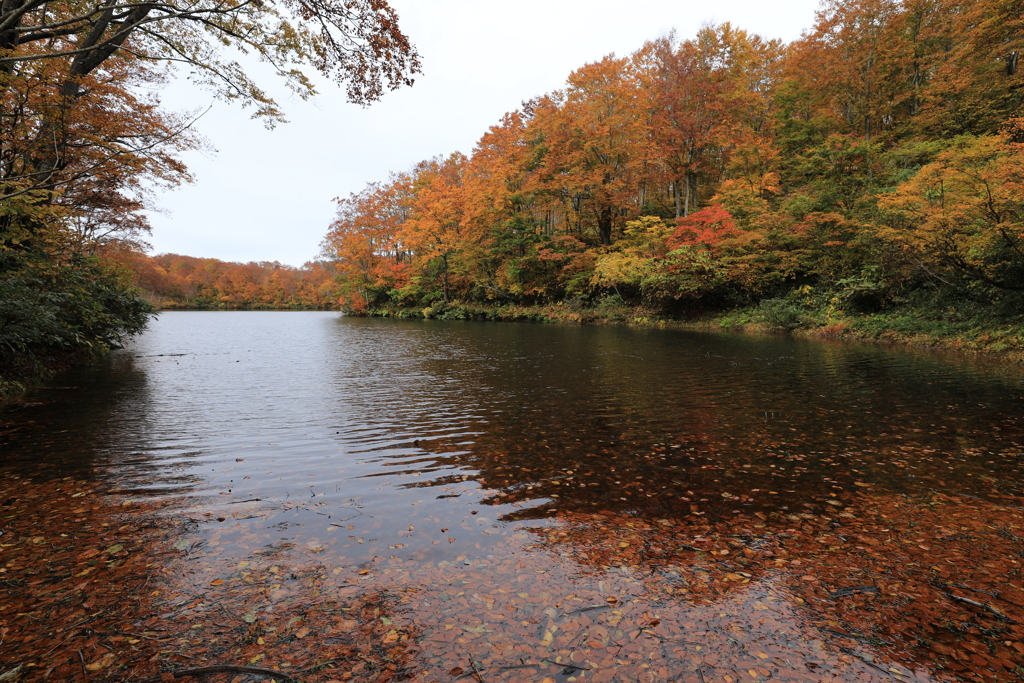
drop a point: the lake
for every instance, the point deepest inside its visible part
(545, 502)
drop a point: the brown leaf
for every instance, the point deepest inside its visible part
(102, 663)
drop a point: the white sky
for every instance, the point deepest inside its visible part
(267, 195)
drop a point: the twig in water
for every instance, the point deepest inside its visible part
(226, 610)
(1006, 533)
(587, 609)
(854, 653)
(574, 667)
(12, 675)
(227, 669)
(942, 586)
(512, 667)
(476, 672)
(852, 590)
(980, 605)
(854, 636)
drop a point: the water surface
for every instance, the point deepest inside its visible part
(408, 453)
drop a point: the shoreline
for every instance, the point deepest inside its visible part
(1000, 342)
(1003, 342)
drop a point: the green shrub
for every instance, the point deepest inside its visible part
(781, 314)
(53, 313)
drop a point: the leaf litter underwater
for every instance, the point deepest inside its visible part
(728, 551)
(873, 585)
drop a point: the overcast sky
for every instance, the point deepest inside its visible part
(267, 195)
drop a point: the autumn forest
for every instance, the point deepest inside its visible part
(873, 166)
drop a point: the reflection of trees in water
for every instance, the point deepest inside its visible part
(655, 422)
(86, 421)
(676, 459)
(70, 424)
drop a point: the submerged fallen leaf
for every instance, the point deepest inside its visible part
(102, 663)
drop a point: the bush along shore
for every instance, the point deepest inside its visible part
(57, 313)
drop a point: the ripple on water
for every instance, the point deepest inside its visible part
(294, 426)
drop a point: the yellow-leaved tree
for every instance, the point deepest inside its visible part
(962, 216)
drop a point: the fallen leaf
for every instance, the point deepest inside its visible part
(102, 663)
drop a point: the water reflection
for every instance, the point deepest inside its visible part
(412, 451)
(528, 419)
(70, 427)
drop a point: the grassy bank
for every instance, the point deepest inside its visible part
(974, 330)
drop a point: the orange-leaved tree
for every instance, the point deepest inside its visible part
(594, 142)
(365, 242)
(436, 231)
(962, 216)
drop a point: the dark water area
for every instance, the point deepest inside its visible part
(441, 445)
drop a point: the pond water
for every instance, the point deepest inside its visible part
(537, 494)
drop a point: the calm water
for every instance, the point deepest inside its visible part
(394, 412)
(380, 438)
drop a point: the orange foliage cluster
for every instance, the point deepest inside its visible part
(771, 167)
(174, 281)
(706, 228)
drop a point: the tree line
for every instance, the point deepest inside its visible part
(170, 281)
(876, 162)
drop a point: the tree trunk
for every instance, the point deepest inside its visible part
(444, 280)
(604, 225)
(690, 189)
